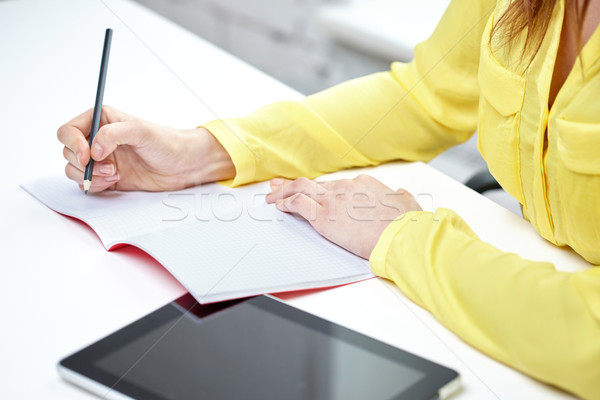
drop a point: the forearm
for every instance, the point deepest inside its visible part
(358, 123)
(203, 159)
(526, 314)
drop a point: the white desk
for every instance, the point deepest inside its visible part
(60, 290)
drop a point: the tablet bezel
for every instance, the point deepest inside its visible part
(79, 368)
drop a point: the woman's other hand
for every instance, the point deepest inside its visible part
(351, 213)
(132, 154)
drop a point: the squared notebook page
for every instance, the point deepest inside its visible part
(214, 240)
(116, 217)
(261, 250)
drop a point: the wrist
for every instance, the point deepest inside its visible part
(208, 161)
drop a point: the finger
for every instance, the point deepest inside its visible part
(70, 156)
(329, 185)
(276, 182)
(75, 133)
(338, 185)
(83, 121)
(364, 178)
(303, 205)
(104, 168)
(74, 136)
(99, 183)
(109, 137)
(300, 185)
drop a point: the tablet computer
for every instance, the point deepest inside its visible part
(258, 348)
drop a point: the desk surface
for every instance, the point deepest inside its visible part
(60, 290)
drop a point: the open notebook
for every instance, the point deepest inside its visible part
(220, 243)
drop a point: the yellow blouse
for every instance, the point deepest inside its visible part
(526, 314)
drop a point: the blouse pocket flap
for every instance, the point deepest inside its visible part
(578, 145)
(502, 88)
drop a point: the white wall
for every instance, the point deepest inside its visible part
(280, 37)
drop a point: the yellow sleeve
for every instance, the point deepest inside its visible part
(413, 112)
(525, 314)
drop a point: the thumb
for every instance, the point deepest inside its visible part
(111, 136)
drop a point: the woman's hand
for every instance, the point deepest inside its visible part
(132, 154)
(351, 213)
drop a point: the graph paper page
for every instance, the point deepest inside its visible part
(119, 216)
(220, 243)
(260, 251)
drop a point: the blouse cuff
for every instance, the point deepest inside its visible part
(379, 254)
(242, 156)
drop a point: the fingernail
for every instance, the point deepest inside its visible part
(112, 178)
(107, 169)
(79, 159)
(98, 151)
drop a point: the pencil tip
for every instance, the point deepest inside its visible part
(85, 191)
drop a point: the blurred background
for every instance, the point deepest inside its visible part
(313, 44)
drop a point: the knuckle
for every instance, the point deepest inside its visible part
(296, 199)
(103, 133)
(297, 184)
(346, 183)
(136, 127)
(303, 181)
(338, 186)
(138, 123)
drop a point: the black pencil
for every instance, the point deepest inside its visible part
(87, 176)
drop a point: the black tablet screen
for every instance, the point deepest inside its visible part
(252, 350)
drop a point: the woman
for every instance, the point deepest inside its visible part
(526, 75)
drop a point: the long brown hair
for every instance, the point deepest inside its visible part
(534, 16)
